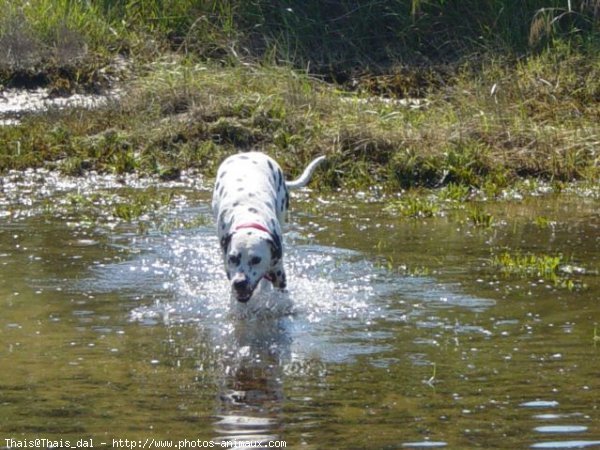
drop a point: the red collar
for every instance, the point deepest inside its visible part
(254, 225)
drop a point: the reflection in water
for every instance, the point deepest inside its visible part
(251, 393)
(567, 444)
(424, 444)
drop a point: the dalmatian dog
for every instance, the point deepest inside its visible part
(250, 200)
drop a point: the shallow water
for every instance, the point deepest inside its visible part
(394, 333)
(15, 103)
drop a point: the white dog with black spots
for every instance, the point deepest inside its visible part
(250, 201)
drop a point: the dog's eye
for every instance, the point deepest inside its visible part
(255, 260)
(234, 259)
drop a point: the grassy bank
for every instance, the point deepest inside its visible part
(184, 114)
(206, 83)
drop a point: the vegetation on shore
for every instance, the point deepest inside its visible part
(398, 94)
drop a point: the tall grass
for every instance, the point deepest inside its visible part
(44, 40)
(327, 36)
(372, 35)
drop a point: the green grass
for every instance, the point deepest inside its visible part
(184, 114)
(205, 83)
(412, 42)
(549, 268)
(334, 37)
(139, 203)
(127, 206)
(415, 206)
(479, 217)
(528, 265)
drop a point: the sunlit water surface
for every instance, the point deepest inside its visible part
(394, 333)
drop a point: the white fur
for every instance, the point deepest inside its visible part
(249, 204)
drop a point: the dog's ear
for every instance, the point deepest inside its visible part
(276, 248)
(225, 241)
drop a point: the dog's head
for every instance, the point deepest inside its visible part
(249, 257)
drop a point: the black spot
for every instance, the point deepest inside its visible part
(222, 215)
(253, 210)
(221, 191)
(253, 274)
(269, 205)
(236, 204)
(240, 189)
(239, 180)
(244, 157)
(235, 259)
(249, 233)
(217, 186)
(279, 273)
(279, 179)
(222, 174)
(276, 248)
(251, 194)
(225, 240)
(254, 161)
(270, 165)
(287, 200)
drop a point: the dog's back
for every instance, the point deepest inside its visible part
(253, 182)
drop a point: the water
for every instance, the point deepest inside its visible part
(15, 103)
(394, 333)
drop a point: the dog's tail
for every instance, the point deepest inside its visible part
(303, 179)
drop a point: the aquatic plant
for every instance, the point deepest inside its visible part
(543, 222)
(527, 265)
(432, 379)
(138, 203)
(552, 268)
(479, 217)
(454, 193)
(413, 205)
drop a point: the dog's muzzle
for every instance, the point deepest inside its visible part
(242, 289)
